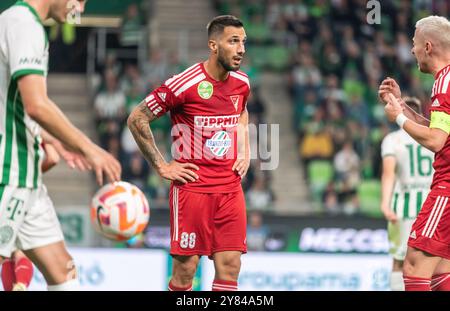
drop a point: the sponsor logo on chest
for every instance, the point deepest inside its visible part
(216, 121)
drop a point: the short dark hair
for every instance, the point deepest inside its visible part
(414, 103)
(218, 24)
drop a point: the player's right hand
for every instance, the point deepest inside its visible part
(182, 172)
(387, 86)
(103, 162)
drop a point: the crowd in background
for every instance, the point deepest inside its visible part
(336, 62)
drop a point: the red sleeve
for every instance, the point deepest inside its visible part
(162, 100)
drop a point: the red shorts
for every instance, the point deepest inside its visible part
(431, 230)
(207, 223)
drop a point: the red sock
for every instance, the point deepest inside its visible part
(220, 285)
(173, 288)
(440, 282)
(8, 277)
(24, 271)
(413, 283)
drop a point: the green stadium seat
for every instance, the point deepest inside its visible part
(369, 194)
(278, 58)
(320, 173)
(258, 56)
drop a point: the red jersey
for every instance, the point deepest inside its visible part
(440, 101)
(205, 114)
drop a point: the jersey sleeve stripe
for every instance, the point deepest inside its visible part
(240, 77)
(187, 85)
(153, 105)
(170, 80)
(183, 76)
(149, 98)
(25, 72)
(242, 73)
(439, 84)
(175, 86)
(175, 78)
(445, 84)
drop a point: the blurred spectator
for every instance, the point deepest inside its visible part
(131, 30)
(259, 197)
(132, 81)
(257, 232)
(155, 69)
(137, 171)
(347, 166)
(109, 107)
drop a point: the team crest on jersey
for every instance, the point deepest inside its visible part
(205, 89)
(219, 144)
(235, 101)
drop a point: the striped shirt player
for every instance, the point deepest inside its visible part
(431, 231)
(23, 51)
(205, 114)
(413, 165)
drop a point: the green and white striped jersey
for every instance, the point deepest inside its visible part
(414, 173)
(23, 51)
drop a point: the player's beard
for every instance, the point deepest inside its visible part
(223, 61)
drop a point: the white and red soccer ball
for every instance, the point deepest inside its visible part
(119, 211)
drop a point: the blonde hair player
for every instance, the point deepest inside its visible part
(427, 262)
(405, 183)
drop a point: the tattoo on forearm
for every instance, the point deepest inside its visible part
(139, 125)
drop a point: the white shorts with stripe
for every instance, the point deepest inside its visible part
(27, 219)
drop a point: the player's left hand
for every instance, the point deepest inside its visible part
(73, 160)
(393, 107)
(241, 165)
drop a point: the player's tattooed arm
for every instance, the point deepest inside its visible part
(139, 125)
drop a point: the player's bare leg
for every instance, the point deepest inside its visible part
(418, 269)
(183, 272)
(441, 276)
(396, 281)
(227, 266)
(419, 263)
(56, 264)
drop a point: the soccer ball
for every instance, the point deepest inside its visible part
(119, 211)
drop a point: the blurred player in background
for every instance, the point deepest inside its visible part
(427, 262)
(17, 272)
(207, 104)
(405, 183)
(27, 216)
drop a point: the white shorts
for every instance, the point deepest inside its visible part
(398, 235)
(27, 219)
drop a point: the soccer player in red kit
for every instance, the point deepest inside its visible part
(207, 105)
(427, 263)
